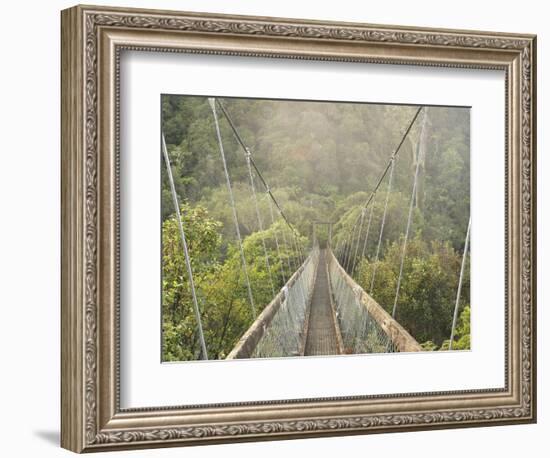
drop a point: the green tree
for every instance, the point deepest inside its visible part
(321, 161)
(179, 323)
(428, 286)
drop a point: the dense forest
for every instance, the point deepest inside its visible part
(321, 161)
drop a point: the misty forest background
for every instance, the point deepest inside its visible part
(321, 161)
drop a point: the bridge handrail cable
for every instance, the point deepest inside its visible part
(299, 284)
(400, 339)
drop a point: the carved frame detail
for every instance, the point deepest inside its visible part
(91, 417)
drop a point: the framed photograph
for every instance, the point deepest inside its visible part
(277, 228)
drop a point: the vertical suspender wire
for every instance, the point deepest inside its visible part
(260, 224)
(346, 251)
(390, 167)
(352, 238)
(345, 248)
(388, 192)
(297, 249)
(350, 244)
(283, 274)
(251, 162)
(294, 247)
(300, 286)
(344, 240)
(421, 152)
(364, 251)
(301, 249)
(336, 250)
(336, 254)
(459, 289)
(290, 259)
(354, 263)
(215, 101)
(232, 201)
(185, 249)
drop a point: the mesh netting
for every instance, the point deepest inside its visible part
(284, 335)
(360, 332)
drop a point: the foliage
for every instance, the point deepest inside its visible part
(428, 287)
(321, 161)
(178, 318)
(428, 346)
(462, 334)
(225, 309)
(461, 339)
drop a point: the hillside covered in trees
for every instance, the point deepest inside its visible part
(321, 161)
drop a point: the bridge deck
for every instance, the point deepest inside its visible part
(321, 334)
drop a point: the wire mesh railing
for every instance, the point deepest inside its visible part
(279, 329)
(365, 326)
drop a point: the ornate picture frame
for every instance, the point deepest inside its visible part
(93, 39)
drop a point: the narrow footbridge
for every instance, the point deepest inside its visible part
(322, 311)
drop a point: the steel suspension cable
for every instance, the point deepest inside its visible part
(390, 163)
(376, 256)
(301, 250)
(283, 274)
(185, 249)
(293, 232)
(393, 157)
(294, 245)
(337, 249)
(304, 296)
(252, 162)
(421, 152)
(459, 289)
(368, 230)
(260, 224)
(233, 207)
(350, 248)
(297, 249)
(363, 211)
(345, 248)
(293, 268)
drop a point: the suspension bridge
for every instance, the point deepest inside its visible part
(321, 309)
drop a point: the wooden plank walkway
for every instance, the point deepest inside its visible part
(321, 334)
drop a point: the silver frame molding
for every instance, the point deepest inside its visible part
(92, 40)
